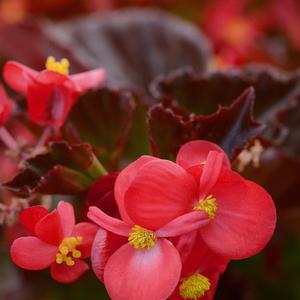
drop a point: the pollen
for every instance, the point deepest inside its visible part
(67, 251)
(61, 66)
(194, 286)
(209, 205)
(141, 238)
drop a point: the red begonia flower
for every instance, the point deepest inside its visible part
(146, 252)
(50, 93)
(242, 214)
(201, 269)
(6, 106)
(56, 242)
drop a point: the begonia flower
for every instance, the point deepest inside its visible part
(52, 92)
(242, 214)
(55, 242)
(146, 252)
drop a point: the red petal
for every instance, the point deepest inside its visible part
(194, 153)
(32, 254)
(87, 231)
(111, 224)
(67, 217)
(90, 79)
(18, 76)
(160, 192)
(211, 172)
(184, 224)
(124, 180)
(105, 244)
(143, 274)
(6, 106)
(30, 216)
(245, 219)
(58, 97)
(65, 274)
(49, 230)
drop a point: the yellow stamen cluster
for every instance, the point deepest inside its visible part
(141, 238)
(61, 66)
(68, 251)
(209, 205)
(194, 286)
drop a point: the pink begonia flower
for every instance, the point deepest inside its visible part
(131, 271)
(55, 242)
(159, 199)
(242, 214)
(52, 92)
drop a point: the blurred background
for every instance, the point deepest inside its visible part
(201, 53)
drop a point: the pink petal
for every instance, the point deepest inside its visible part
(160, 192)
(18, 76)
(195, 152)
(184, 224)
(67, 217)
(90, 79)
(124, 180)
(245, 219)
(105, 244)
(30, 216)
(49, 230)
(65, 274)
(143, 274)
(211, 172)
(105, 221)
(32, 254)
(87, 231)
(185, 244)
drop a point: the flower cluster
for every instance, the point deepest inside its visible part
(181, 223)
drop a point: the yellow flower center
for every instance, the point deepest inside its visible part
(68, 251)
(194, 286)
(141, 238)
(61, 66)
(209, 205)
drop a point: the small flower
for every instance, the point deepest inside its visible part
(55, 242)
(52, 92)
(251, 155)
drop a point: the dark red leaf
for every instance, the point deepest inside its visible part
(230, 127)
(103, 118)
(64, 169)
